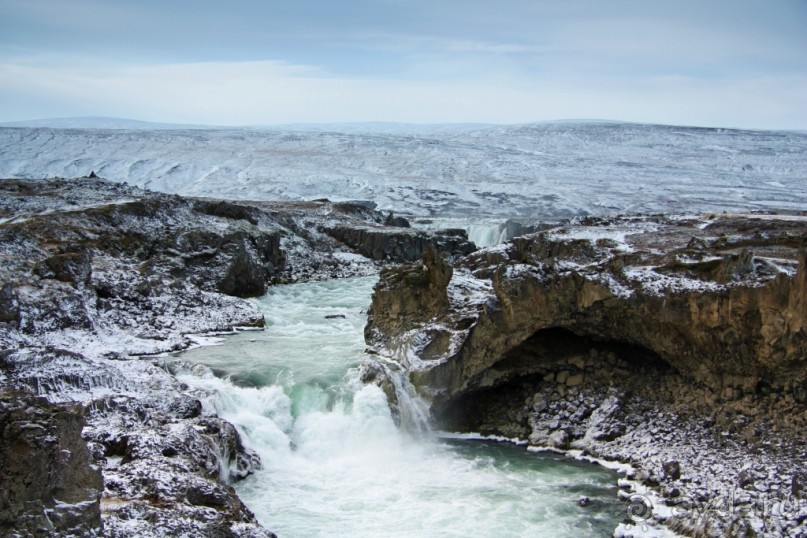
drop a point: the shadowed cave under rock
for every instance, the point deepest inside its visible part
(552, 365)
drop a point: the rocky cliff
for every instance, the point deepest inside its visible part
(396, 244)
(583, 335)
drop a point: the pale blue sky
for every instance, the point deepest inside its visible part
(733, 63)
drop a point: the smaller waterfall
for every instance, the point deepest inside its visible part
(414, 411)
(482, 233)
(409, 411)
(487, 235)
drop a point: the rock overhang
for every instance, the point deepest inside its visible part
(719, 299)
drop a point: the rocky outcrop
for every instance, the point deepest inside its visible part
(49, 485)
(398, 244)
(414, 292)
(227, 210)
(734, 332)
(168, 469)
(590, 335)
(167, 466)
(72, 267)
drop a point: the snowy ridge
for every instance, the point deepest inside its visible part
(537, 170)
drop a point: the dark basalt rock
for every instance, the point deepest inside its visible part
(400, 244)
(49, 485)
(411, 293)
(397, 222)
(245, 276)
(9, 304)
(72, 267)
(227, 210)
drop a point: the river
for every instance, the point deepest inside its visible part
(334, 462)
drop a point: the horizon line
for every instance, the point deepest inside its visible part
(180, 125)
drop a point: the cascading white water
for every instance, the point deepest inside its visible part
(335, 464)
(482, 233)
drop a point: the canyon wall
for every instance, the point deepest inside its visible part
(723, 304)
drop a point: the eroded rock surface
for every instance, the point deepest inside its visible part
(641, 340)
(402, 244)
(49, 484)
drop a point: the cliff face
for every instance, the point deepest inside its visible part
(678, 346)
(698, 297)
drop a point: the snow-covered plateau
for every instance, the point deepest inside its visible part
(529, 171)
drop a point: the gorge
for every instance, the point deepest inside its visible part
(673, 346)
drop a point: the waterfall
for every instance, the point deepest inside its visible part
(485, 233)
(409, 411)
(321, 415)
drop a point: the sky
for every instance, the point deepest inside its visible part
(718, 63)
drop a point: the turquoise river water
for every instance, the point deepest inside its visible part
(334, 462)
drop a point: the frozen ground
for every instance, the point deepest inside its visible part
(528, 171)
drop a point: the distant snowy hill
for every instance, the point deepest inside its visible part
(99, 122)
(374, 127)
(386, 127)
(534, 170)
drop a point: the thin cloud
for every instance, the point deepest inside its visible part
(239, 93)
(716, 63)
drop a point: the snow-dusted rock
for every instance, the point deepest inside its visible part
(632, 281)
(676, 345)
(93, 274)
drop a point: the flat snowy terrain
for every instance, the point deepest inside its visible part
(527, 171)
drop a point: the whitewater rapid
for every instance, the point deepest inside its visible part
(334, 462)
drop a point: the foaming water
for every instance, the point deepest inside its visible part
(481, 233)
(334, 462)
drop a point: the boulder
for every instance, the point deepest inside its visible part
(559, 439)
(396, 222)
(245, 275)
(671, 469)
(9, 304)
(72, 267)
